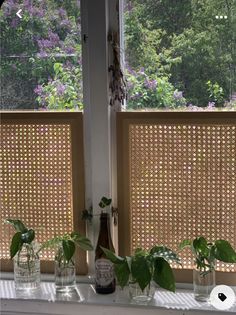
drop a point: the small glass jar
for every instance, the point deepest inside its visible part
(27, 268)
(65, 276)
(139, 296)
(203, 283)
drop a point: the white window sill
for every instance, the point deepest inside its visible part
(86, 302)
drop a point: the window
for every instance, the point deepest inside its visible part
(41, 55)
(152, 89)
(180, 55)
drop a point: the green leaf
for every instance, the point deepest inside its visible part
(16, 244)
(84, 243)
(185, 243)
(224, 251)
(140, 271)
(122, 272)
(104, 202)
(163, 274)
(28, 237)
(68, 249)
(140, 252)
(200, 246)
(165, 252)
(112, 256)
(52, 242)
(17, 224)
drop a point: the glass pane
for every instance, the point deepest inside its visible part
(41, 66)
(180, 54)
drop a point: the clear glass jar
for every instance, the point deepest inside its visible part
(139, 296)
(65, 276)
(27, 268)
(203, 283)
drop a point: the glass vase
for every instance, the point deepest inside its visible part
(139, 296)
(203, 283)
(27, 268)
(65, 276)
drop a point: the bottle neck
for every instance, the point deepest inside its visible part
(104, 238)
(104, 224)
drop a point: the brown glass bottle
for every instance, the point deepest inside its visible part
(105, 282)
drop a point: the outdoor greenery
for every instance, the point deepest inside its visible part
(144, 267)
(178, 54)
(44, 49)
(206, 253)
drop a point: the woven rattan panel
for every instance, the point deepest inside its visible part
(182, 184)
(36, 180)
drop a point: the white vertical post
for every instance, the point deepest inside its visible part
(96, 110)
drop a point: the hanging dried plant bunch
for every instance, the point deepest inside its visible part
(117, 83)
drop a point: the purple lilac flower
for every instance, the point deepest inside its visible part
(130, 70)
(65, 23)
(8, 7)
(129, 6)
(61, 12)
(53, 37)
(68, 65)
(42, 54)
(142, 70)
(51, 42)
(178, 94)
(61, 89)
(38, 90)
(70, 50)
(150, 84)
(14, 22)
(211, 105)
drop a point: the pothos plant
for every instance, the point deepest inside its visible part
(206, 253)
(23, 238)
(144, 267)
(88, 214)
(104, 202)
(66, 245)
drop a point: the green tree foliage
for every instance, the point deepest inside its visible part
(185, 42)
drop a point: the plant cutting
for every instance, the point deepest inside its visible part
(144, 270)
(206, 253)
(65, 246)
(104, 202)
(24, 251)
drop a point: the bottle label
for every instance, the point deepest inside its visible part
(104, 270)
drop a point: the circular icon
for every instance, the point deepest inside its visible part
(222, 297)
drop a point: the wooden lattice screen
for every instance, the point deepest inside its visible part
(176, 180)
(42, 178)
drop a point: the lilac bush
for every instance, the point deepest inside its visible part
(64, 91)
(48, 34)
(149, 91)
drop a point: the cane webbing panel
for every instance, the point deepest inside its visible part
(36, 181)
(181, 182)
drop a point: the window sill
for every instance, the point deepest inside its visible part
(85, 301)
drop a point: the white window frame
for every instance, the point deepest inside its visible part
(99, 18)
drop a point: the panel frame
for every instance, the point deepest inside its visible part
(124, 119)
(75, 120)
